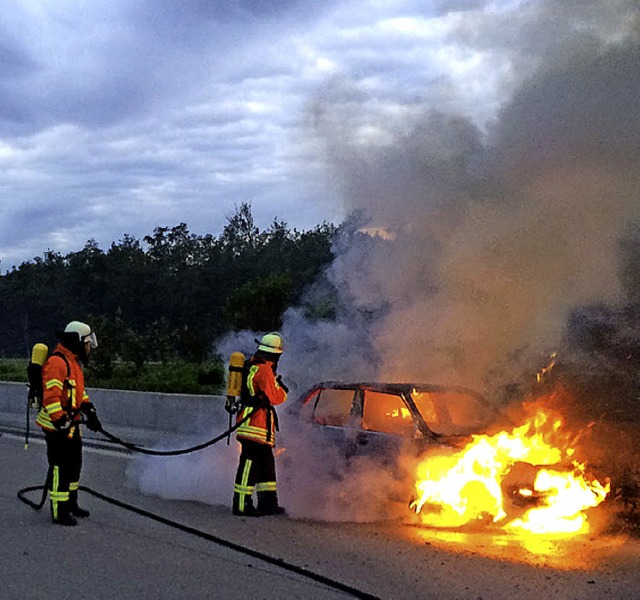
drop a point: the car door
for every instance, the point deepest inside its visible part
(385, 426)
(453, 415)
(333, 414)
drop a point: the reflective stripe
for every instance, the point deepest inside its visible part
(266, 486)
(251, 432)
(252, 373)
(73, 486)
(59, 496)
(44, 420)
(53, 407)
(54, 383)
(243, 489)
(254, 430)
(73, 400)
(55, 495)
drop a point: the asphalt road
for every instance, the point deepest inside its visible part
(117, 553)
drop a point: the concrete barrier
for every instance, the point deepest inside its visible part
(124, 410)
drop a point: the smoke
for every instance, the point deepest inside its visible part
(486, 235)
(317, 482)
(204, 476)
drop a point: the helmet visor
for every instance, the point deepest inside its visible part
(91, 340)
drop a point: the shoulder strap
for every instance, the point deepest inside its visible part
(246, 398)
(66, 362)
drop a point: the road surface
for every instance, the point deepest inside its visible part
(117, 553)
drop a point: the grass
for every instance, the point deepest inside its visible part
(171, 378)
(13, 369)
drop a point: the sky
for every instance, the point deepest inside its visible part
(120, 116)
(490, 147)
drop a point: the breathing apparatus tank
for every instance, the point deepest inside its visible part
(39, 354)
(234, 380)
(234, 387)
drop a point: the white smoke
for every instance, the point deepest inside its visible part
(315, 481)
(205, 475)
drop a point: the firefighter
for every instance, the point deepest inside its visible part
(64, 403)
(262, 390)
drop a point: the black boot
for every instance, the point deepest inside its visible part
(268, 504)
(246, 509)
(64, 516)
(74, 509)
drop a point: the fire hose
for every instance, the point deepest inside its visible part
(133, 447)
(278, 562)
(142, 450)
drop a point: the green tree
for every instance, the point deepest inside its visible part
(170, 296)
(259, 305)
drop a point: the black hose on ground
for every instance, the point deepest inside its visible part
(33, 488)
(278, 562)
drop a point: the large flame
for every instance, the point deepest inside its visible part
(486, 481)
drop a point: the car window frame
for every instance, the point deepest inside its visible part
(479, 398)
(351, 418)
(403, 400)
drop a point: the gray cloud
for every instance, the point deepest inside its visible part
(185, 109)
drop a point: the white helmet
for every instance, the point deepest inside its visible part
(84, 332)
(271, 342)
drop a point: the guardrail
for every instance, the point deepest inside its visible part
(121, 409)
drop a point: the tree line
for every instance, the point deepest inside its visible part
(172, 295)
(168, 297)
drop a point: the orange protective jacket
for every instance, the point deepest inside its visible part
(63, 389)
(261, 392)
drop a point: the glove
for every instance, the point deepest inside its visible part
(91, 417)
(232, 406)
(62, 424)
(93, 423)
(281, 383)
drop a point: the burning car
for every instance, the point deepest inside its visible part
(466, 468)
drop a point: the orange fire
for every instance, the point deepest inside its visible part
(523, 480)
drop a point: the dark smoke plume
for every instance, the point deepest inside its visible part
(485, 236)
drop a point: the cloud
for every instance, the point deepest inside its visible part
(183, 110)
(154, 113)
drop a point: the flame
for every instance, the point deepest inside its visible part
(399, 413)
(470, 485)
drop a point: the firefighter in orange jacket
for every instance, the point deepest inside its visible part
(64, 402)
(262, 390)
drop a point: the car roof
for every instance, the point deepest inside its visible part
(394, 387)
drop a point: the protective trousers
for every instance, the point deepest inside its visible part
(64, 454)
(256, 471)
